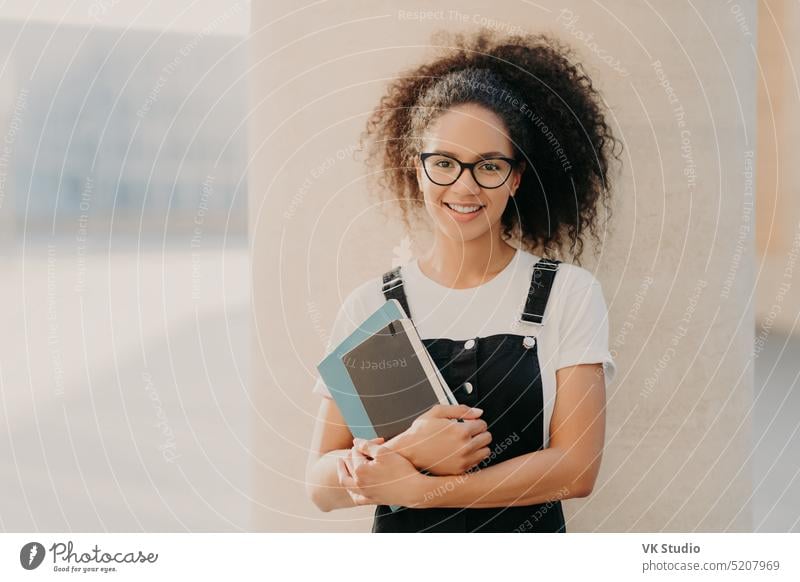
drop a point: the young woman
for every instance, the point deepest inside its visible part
(501, 140)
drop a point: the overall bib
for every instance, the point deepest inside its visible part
(500, 374)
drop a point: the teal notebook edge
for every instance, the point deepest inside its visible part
(334, 373)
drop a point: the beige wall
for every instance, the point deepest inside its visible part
(678, 436)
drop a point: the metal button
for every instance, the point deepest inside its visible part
(469, 344)
(529, 342)
(468, 386)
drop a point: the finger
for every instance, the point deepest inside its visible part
(369, 448)
(348, 465)
(377, 440)
(355, 460)
(359, 499)
(471, 412)
(453, 411)
(345, 477)
(347, 481)
(475, 427)
(478, 456)
(480, 440)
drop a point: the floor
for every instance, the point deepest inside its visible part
(123, 387)
(776, 432)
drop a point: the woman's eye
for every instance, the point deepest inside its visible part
(444, 164)
(490, 167)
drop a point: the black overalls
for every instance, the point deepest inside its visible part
(500, 374)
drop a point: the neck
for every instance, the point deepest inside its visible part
(463, 264)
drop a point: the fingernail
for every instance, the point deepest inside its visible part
(478, 410)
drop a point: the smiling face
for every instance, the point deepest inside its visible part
(465, 210)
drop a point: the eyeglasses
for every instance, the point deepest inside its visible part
(489, 173)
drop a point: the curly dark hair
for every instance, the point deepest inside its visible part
(553, 114)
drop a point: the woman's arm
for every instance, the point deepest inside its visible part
(568, 468)
(434, 441)
(332, 439)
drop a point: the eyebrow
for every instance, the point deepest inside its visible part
(483, 155)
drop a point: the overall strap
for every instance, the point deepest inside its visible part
(393, 288)
(544, 272)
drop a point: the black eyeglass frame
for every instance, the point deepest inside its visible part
(470, 166)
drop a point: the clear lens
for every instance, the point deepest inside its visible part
(442, 170)
(491, 173)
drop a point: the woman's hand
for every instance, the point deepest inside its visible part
(436, 443)
(374, 474)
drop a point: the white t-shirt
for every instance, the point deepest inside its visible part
(575, 329)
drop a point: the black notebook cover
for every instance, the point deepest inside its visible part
(390, 380)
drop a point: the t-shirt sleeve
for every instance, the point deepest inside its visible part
(583, 330)
(347, 319)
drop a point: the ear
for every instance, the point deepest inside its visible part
(419, 170)
(518, 172)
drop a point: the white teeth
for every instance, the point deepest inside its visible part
(463, 209)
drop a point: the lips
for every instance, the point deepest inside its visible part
(463, 213)
(464, 208)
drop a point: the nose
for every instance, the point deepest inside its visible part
(466, 183)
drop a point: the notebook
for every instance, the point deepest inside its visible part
(335, 374)
(394, 377)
